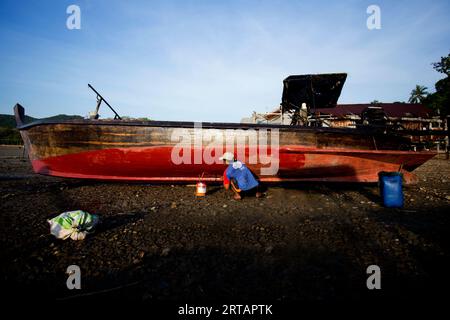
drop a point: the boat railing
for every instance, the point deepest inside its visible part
(100, 99)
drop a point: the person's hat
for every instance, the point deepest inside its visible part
(227, 156)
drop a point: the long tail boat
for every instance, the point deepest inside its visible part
(130, 150)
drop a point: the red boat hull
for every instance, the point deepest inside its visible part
(295, 164)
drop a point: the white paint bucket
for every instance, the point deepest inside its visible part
(200, 189)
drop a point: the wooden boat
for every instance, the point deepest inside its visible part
(141, 151)
(127, 150)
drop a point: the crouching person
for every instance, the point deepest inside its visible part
(239, 178)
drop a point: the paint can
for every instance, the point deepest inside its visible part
(200, 189)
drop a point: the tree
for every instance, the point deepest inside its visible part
(440, 100)
(418, 94)
(443, 66)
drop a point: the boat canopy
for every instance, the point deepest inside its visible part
(315, 90)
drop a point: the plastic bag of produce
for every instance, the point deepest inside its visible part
(74, 224)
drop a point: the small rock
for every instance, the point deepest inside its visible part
(165, 252)
(163, 284)
(268, 249)
(224, 206)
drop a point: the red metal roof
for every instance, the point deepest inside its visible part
(394, 110)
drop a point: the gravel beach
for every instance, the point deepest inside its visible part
(305, 241)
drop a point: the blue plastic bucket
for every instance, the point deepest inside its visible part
(391, 189)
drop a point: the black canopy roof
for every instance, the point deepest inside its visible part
(316, 90)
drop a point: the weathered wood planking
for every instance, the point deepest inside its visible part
(59, 139)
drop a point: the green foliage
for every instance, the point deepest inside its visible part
(439, 101)
(9, 136)
(418, 94)
(443, 66)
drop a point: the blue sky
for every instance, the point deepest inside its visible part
(210, 60)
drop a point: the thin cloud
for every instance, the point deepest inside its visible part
(217, 62)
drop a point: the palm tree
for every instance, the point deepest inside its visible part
(418, 94)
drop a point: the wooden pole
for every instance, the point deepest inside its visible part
(447, 149)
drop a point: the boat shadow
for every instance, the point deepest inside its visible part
(219, 274)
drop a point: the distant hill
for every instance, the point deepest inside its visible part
(7, 120)
(10, 135)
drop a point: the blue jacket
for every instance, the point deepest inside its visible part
(243, 176)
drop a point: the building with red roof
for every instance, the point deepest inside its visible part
(392, 110)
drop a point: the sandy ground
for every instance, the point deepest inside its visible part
(161, 243)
